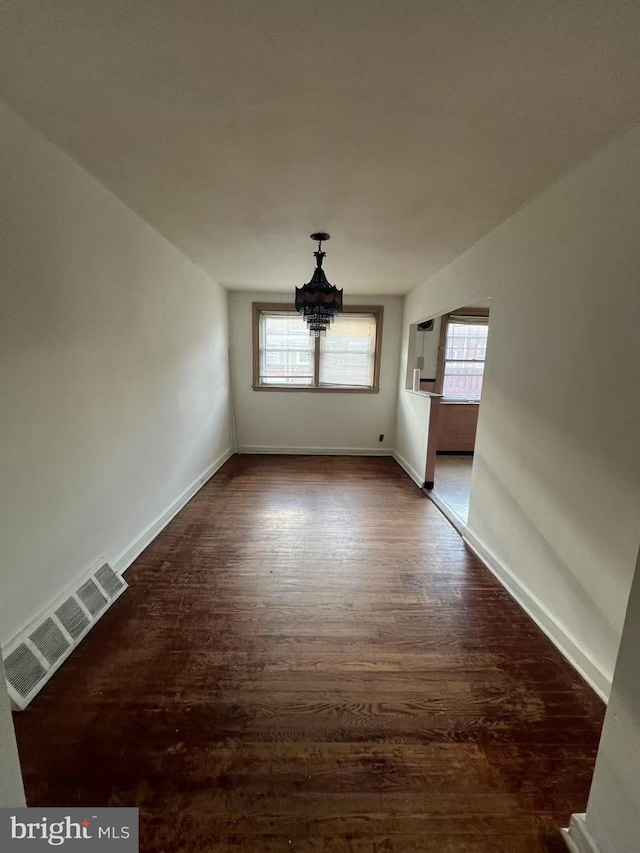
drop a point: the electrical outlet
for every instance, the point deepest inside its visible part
(381, 437)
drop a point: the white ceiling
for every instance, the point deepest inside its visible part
(406, 129)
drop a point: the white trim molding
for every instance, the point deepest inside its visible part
(556, 632)
(448, 511)
(577, 837)
(316, 451)
(135, 548)
(411, 471)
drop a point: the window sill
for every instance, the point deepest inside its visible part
(310, 390)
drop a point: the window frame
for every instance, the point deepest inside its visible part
(259, 307)
(442, 346)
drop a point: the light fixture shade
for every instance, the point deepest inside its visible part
(318, 301)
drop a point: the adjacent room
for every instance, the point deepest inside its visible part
(320, 471)
(446, 359)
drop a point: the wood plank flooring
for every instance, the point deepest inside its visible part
(309, 659)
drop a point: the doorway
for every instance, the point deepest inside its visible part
(463, 336)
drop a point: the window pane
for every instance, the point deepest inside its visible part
(286, 330)
(464, 355)
(462, 380)
(466, 341)
(286, 350)
(347, 353)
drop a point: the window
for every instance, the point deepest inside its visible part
(463, 354)
(286, 350)
(286, 357)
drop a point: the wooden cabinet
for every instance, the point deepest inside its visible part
(457, 427)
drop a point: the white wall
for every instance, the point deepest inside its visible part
(422, 345)
(113, 365)
(555, 496)
(413, 433)
(11, 788)
(613, 813)
(427, 347)
(272, 420)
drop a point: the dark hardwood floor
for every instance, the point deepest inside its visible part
(309, 659)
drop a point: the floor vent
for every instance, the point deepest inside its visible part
(110, 582)
(32, 657)
(23, 670)
(50, 641)
(73, 618)
(91, 597)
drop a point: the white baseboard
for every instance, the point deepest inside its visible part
(135, 548)
(448, 512)
(578, 838)
(411, 471)
(558, 635)
(316, 451)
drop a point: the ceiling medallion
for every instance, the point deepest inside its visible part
(318, 301)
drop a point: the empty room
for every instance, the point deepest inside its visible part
(320, 470)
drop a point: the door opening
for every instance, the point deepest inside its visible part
(463, 336)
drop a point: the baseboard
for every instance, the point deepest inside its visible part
(578, 838)
(316, 451)
(135, 548)
(448, 512)
(411, 471)
(558, 635)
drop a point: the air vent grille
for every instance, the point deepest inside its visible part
(110, 582)
(23, 670)
(49, 641)
(91, 597)
(34, 655)
(73, 617)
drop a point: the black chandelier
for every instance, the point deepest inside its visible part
(318, 301)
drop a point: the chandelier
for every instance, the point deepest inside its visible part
(318, 301)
